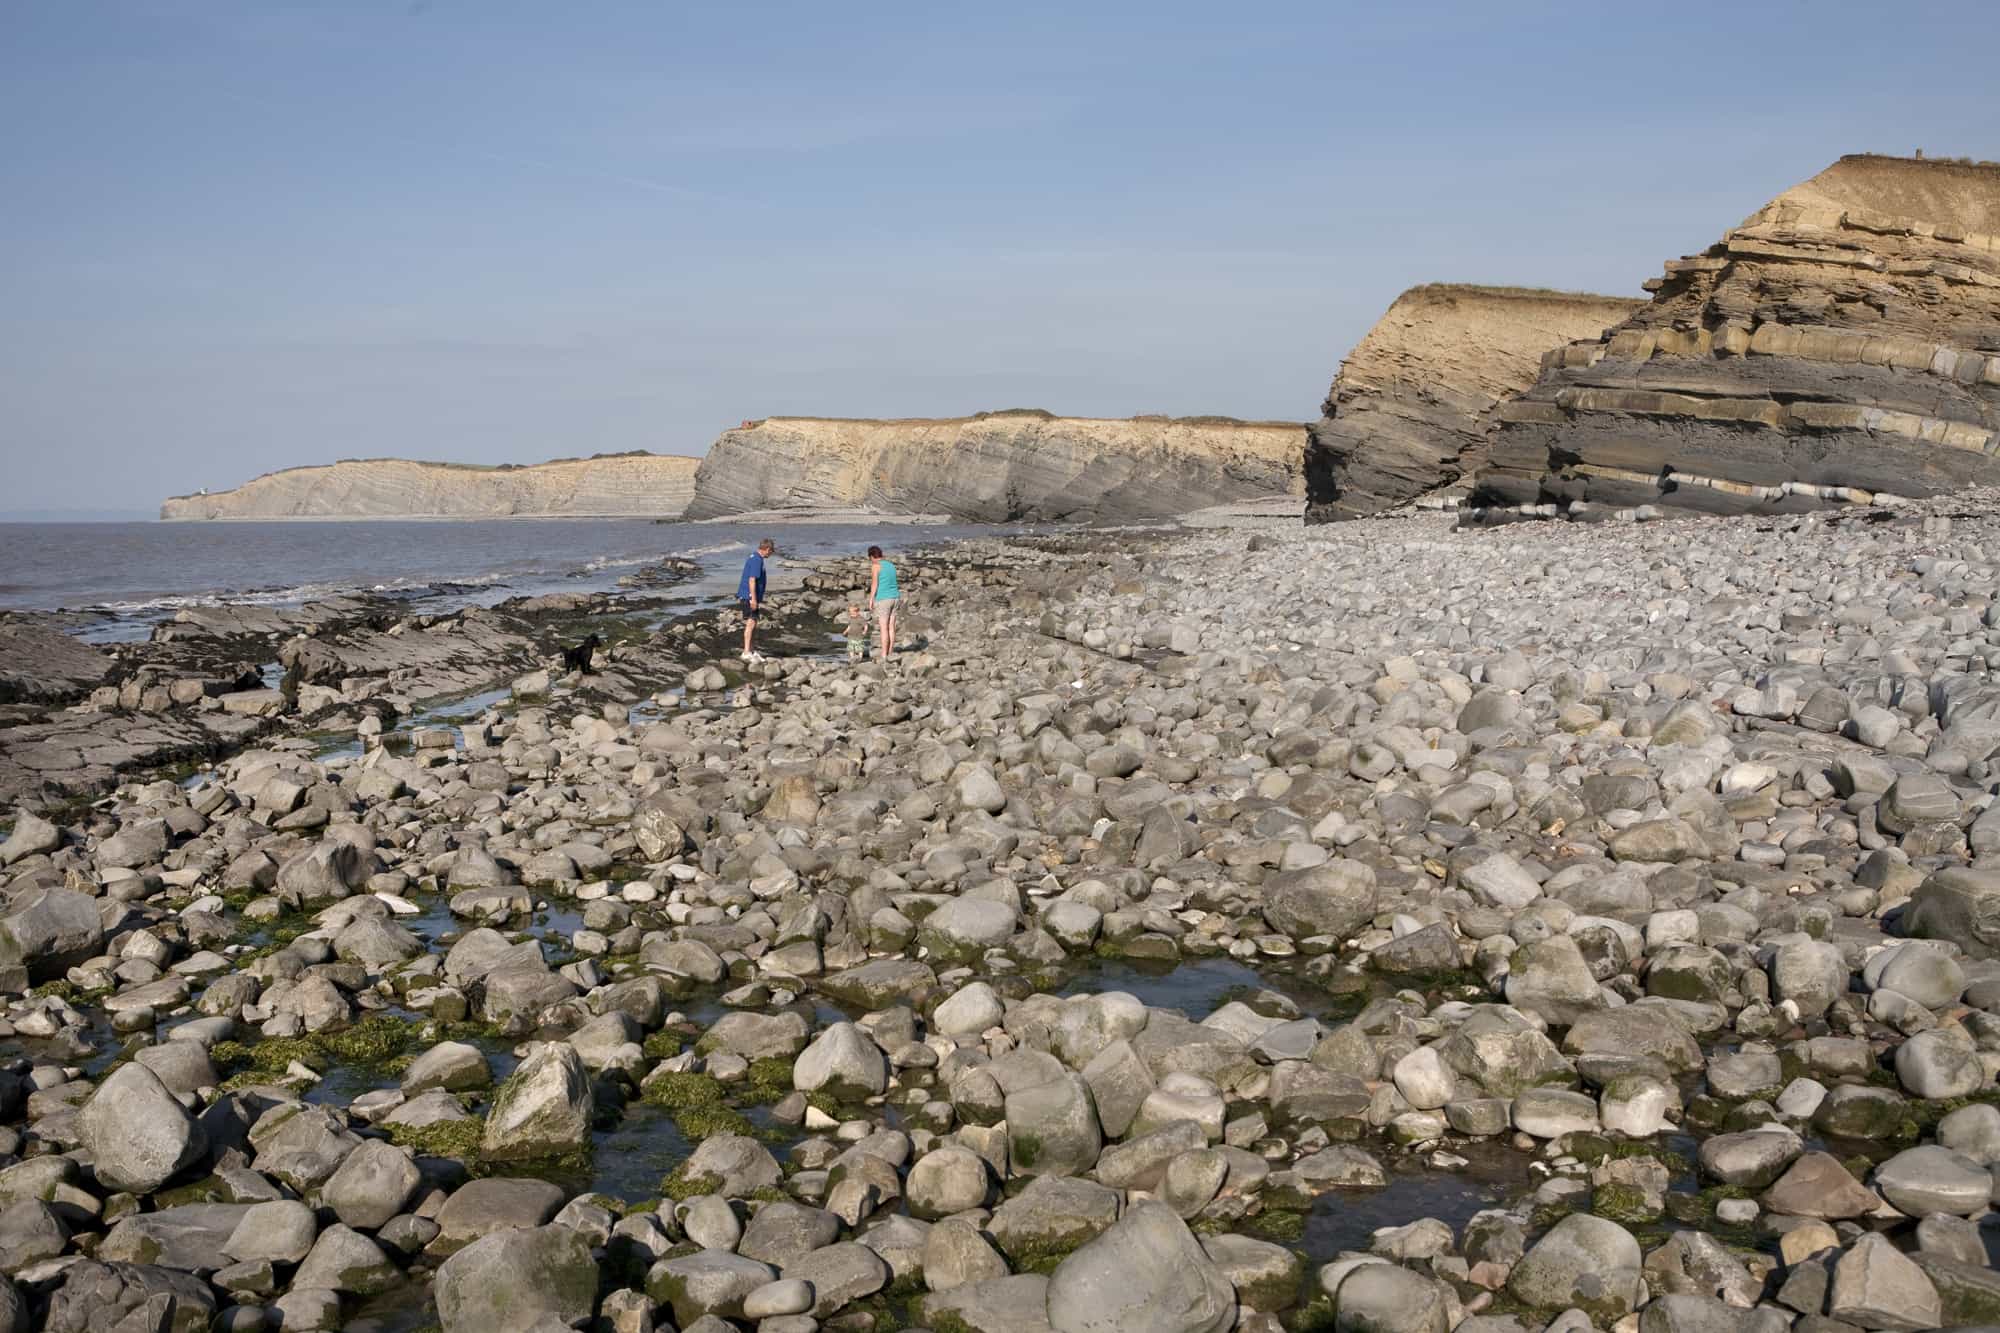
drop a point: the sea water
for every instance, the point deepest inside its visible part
(127, 576)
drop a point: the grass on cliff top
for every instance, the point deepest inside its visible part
(1449, 289)
(1923, 157)
(429, 463)
(1039, 413)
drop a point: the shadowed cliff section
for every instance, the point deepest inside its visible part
(610, 485)
(1412, 407)
(998, 466)
(1842, 343)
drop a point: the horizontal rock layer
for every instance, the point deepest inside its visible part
(1413, 404)
(998, 466)
(1842, 342)
(645, 485)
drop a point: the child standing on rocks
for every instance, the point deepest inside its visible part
(857, 634)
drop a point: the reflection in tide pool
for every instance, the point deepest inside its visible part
(1196, 987)
(1346, 1220)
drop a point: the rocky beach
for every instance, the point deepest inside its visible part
(1224, 925)
(1424, 755)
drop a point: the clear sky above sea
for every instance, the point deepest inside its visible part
(246, 234)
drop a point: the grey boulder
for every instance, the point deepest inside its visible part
(544, 1108)
(50, 931)
(511, 1279)
(1932, 1179)
(280, 1231)
(1583, 1261)
(712, 1282)
(95, 1297)
(1940, 1063)
(456, 1066)
(965, 928)
(1390, 1298)
(1052, 1128)
(372, 1185)
(843, 1061)
(138, 1134)
(1334, 898)
(32, 836)
(1960, 904)
(1877, 1286)
(1550, 978)
(327, 873)
(1146, 1274)
(344, 1260)
(948, 1179)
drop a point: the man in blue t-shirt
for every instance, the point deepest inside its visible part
(750, 594)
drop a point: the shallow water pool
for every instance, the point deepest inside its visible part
(1347, 1219)
(1197, 987)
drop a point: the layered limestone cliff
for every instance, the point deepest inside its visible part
(998, 466)
(1841, 344)
(645, 485)
(1412, 406)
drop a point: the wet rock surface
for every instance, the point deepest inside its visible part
(1520, 929)
(39, 663)
(215, 679)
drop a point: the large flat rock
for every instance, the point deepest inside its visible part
(41, 664)
(75, 754)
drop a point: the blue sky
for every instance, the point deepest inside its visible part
(246, 235)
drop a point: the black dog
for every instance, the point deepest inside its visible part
(578, 658)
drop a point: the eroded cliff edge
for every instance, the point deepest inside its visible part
(1844, 341)
(1412, 407)
(643, 485)
(999, 466)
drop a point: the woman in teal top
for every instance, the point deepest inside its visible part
(883, 595)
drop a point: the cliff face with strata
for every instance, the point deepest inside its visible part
(1413, 404)
(645, 485)
(998, 467)
(1843, 341)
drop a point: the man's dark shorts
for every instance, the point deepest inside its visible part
(750, 612)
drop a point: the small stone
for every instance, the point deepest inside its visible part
(843, 1061)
